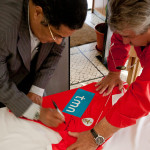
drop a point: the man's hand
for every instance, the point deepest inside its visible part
(51, 117)
(35, 98)
(109, 82)
(85, 141)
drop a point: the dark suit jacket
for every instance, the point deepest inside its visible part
(15, 55)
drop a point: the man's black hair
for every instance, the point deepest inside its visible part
(71, 13)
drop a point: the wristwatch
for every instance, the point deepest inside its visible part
(98, 138)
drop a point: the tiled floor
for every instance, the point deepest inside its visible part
(85, 68)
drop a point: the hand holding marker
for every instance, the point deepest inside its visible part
(58, 110)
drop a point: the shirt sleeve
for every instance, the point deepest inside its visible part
(31, 111)
(37, 90)
(135, 103)
(118, 53)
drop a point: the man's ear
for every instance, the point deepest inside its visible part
(38, 13)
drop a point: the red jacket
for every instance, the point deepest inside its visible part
(136, 102)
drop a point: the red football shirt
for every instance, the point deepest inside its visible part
(96, 110)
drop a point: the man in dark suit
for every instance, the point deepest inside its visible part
(31, 42)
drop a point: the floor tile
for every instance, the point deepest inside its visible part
(74, 50)
(81, 69)
(87, 47)
(92, 57)
(93, 20)
(85, 83)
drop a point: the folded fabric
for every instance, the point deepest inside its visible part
(20, 134)
(72, 103)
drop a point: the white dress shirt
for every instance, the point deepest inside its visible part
(34, 108)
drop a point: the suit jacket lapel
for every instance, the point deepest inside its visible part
(24, 43)
(44, 51)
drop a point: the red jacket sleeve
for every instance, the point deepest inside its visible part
(136, 102)
(119, 51)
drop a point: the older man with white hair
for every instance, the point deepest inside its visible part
(130, 22)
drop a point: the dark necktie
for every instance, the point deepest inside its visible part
(27, 82)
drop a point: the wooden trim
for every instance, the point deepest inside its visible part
(93, 3)
(134, 71)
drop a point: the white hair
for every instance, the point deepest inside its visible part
(129, 14)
